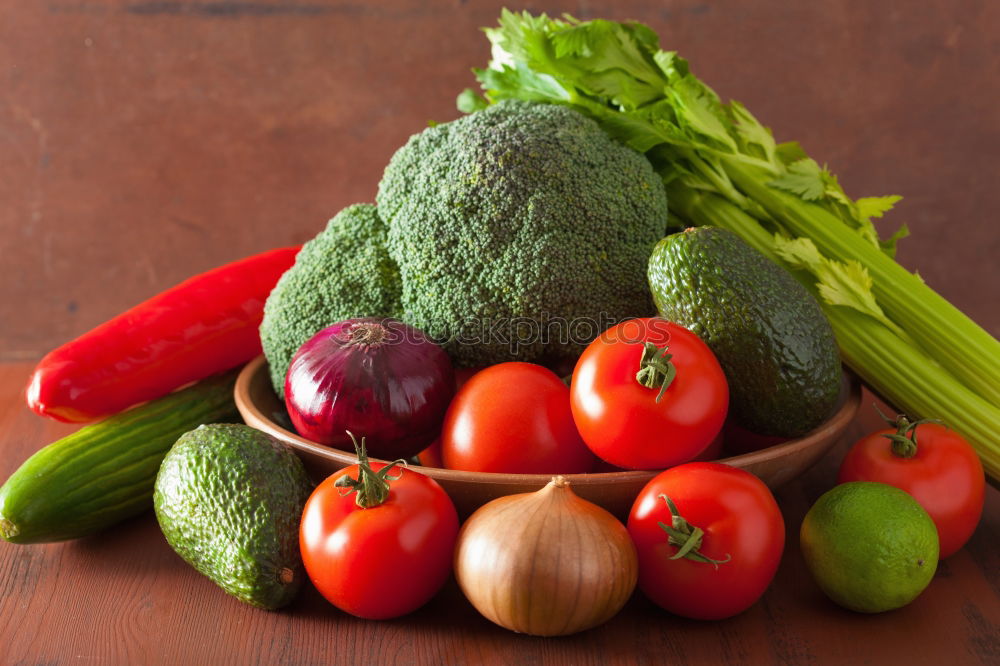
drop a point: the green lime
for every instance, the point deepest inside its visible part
(871, 547)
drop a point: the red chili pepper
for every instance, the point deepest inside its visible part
(202, 326)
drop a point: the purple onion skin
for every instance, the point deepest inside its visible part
(379, 378)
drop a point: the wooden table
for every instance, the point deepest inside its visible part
(124, 597)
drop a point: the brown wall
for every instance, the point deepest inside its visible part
(141, 142)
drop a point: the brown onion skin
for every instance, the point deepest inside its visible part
(392, 390)
(546, 563)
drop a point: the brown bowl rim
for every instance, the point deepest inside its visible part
(826, 430)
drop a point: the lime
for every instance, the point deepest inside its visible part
(871, 547)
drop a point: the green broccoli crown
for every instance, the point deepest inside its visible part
(520, 219)
(343, 272)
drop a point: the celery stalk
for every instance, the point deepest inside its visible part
(910, 380)
(934, 322)
(701, 208)
(880, 357)
(722, 167)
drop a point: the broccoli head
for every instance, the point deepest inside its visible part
(343, 272)
(520, 231)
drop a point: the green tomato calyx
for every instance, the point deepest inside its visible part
(686, 537)
(656, 370)
(904, 440)
(372, 487)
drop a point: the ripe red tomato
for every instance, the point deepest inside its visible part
(744, 533)
(622, 421)
(943, 474)
(513, 417)
(431, 456)
(383, 561)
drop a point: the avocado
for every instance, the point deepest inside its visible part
(768, 332)
(228, 499)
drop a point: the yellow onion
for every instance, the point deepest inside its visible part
(545, 563)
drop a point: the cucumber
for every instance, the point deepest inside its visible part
(104, 473)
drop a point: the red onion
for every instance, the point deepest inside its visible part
(379, 378)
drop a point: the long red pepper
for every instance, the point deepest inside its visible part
(202, 326)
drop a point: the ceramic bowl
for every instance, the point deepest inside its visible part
(615, 491)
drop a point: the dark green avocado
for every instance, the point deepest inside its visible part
(228, 499)
(768, 332)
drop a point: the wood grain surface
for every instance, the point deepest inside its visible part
(124, 597)
(144, 141)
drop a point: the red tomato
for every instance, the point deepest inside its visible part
(622, 421)
(513, 417)
(743, 531)
(383, 561)
(431, 456)
(944, 475)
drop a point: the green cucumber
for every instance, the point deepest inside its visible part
(105, 472)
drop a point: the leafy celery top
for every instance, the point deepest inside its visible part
(722, 167)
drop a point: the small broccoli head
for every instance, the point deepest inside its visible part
(343, 272)
(520, 231)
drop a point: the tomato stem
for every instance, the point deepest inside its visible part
(686, 537)
(656, 369)
(904, 440)
(372, 487)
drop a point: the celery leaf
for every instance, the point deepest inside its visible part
(469, 101)
(573, 41)
(889, 245)
(845, 283)
(521, 83)
(869, 207)
(756, 138)
(804, 179)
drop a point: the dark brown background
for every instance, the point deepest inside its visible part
(141, 142)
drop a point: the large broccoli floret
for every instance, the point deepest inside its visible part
(343, 272)
(520, 219)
